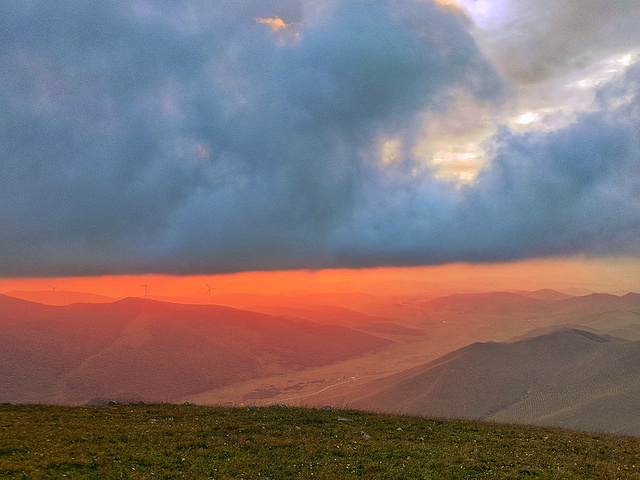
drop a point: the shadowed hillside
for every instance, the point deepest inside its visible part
(570, 378)
(142, 349)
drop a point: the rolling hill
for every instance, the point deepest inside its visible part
(59, 297)
(540, 301)
(491, 302)
(570, 378)
(142, 349)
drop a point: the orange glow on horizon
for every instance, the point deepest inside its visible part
(615, 276)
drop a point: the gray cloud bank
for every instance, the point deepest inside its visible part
(537, 40)
(186, 137)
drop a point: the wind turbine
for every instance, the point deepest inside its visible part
(53, 293)
(146, 288)
(208, 293)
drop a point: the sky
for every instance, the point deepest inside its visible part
(190, 137)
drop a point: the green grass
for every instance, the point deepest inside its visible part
(180, 441)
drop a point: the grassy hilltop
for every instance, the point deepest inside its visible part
(185, 441)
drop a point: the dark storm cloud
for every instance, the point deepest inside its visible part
(183, 137)
(574, 190)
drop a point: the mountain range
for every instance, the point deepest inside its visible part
(541, 357)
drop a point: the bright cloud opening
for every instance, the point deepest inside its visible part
(461, 167)
(527, 118)
(275, 23)
(391, 151)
